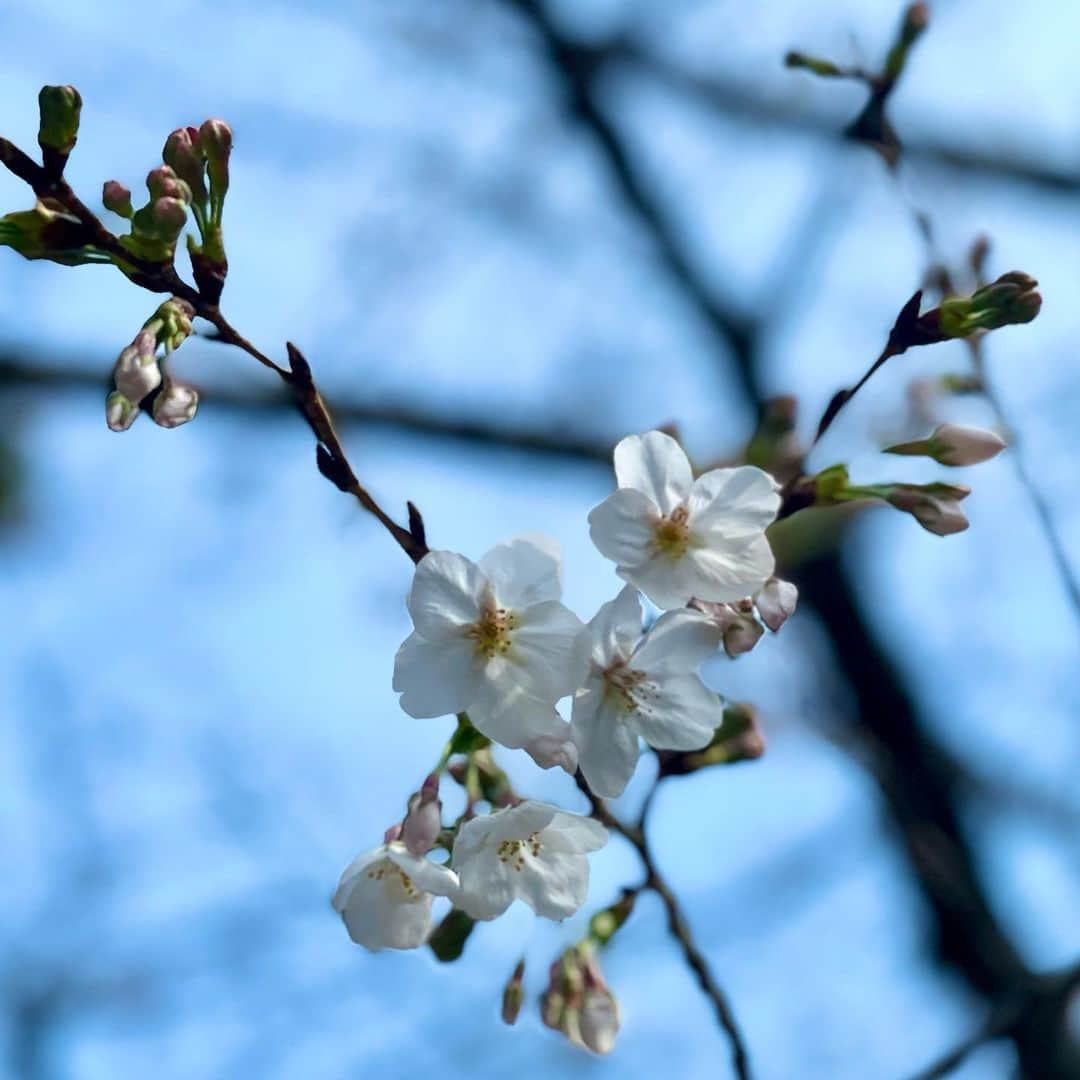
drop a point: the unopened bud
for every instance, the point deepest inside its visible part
(163, 183)
(604, 924)
(171, 323)
(739, 630)
(184, 155)
(117, 198)
(136, 372)
(169, 218)
(120, 413)
(937, 511)
(392, 834)
(776, 602)
(551, 751)
(215, 139)
(514, 994)
(60, 107)
(954, 444)
(423, 822)
(825, 68)
(175, 405)
(1010, 300)
(598, 1020)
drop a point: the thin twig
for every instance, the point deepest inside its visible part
(678, 927)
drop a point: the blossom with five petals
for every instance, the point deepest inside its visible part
(491, 639)
(384, 897)
(642, 685)
(534, 852)
(677, 538)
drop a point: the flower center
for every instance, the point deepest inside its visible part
(630, 687)
(671, 534)
(387, 871)
(491, 631)
(512, 852)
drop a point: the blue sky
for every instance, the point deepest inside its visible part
(196, 717)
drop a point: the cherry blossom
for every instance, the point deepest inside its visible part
(642, 685)
(384, 897)
(533, 852)
(491, 639)
(675, 537)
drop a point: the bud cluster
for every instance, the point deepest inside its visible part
(139, 378)
(743, 623)
(578, 1003)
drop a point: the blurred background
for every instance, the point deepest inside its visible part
(506, 234)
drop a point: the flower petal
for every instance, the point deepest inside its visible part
(351, 874)
(607, 745)
(554, 883)
(517, 822)
(657, 465)
(736, 502)
(575, 832)
(545, 649)
(507, 713)
(525, 570)
(623, 526)
(425, 874)
(436, 678)
(668, 584)
(615, 628)
(446, 594)
(678, 643)
(683, 715)
(487, 888)
(729, 573)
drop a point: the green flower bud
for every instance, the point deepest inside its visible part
(60, 107)
(120, 413)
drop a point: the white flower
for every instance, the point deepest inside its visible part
(549, 751)
(643, 686)
(384, 897)
(533, 852)
(491, 639)
(675, 537)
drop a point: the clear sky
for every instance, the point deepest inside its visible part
(197, 729)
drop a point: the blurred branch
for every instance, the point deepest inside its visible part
(1043, 1005)
(20, 371)
(733, 98)
(914, 774)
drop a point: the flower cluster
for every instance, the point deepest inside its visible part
(493, 644)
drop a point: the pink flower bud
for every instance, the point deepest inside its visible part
(175, 405)
(549, 751)
(392, 834)
(136, 372)
(938, 514)
(215, 138)
(954, 444)
(184, 155)
(163, 183)
(117, 198)
(169, 217)
(776, 602)
(423, 822)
